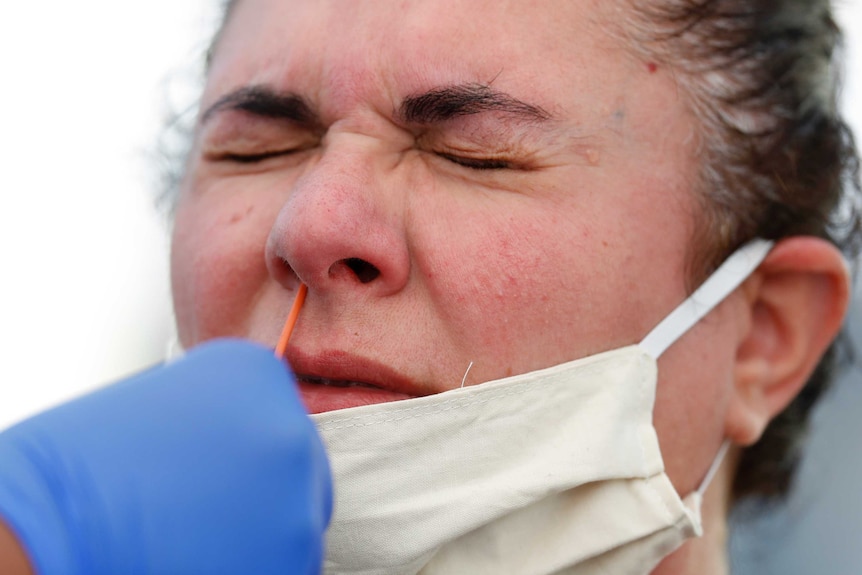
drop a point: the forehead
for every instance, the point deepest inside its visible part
(397, 47)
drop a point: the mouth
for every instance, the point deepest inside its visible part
(333, 380)
(316, 380)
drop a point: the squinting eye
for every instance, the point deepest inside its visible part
(252, 158)
(477, 163)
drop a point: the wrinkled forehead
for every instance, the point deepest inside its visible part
(477, 17)
(417, 44)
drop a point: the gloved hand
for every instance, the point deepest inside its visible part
(207, 465)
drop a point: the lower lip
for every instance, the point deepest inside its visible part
(320, 398)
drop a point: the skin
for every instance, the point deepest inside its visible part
(13, 561)
(574, 239)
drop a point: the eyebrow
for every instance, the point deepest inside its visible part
(265, 102)
(451, 102)
(433, 106)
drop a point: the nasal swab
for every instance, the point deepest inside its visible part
(291, 321)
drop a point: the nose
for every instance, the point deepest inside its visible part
(342, 228)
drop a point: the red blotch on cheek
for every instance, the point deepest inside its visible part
(652, 67)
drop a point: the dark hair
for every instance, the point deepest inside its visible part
(762, 77)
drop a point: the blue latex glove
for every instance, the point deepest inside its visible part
(208, 465)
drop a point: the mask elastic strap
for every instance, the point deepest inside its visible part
(713, 469)
(718, 286)
(173, 349)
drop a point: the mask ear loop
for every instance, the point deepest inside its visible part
(718, 286)
(173, 350)
(713, 469)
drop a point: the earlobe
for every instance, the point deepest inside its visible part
(795, 304)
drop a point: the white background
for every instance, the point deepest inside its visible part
(84, 295)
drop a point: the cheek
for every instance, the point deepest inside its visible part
(524, 286)
(528, 280)
(217, 266)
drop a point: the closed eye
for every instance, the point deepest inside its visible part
(253, 158)
(477, 163)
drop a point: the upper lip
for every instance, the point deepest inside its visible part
(342, 366)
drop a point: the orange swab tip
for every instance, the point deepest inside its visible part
(291, 321)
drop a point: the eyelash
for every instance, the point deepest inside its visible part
(477, 163)
(470, 163)
(254, 158)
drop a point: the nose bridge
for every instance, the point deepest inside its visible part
(341, 225)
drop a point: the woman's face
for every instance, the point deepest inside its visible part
(456, 182)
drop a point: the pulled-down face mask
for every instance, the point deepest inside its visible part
(553, 471)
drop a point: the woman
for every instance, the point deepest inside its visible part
(475, 192)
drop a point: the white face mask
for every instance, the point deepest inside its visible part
(553, 471)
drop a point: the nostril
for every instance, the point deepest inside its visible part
(364, 271)
(283, 272)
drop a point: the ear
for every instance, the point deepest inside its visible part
(795, 304)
